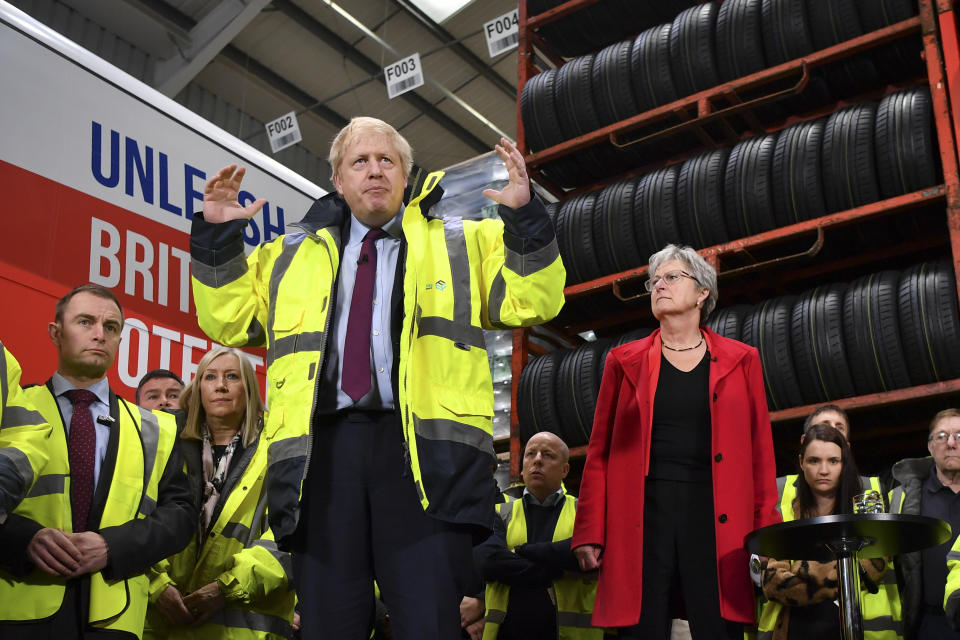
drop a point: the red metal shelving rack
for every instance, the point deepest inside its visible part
(937, 25)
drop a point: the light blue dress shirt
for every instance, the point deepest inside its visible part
(549, 501)
(98, 409)
(380, 396)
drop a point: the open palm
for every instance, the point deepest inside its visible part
(220, 203)
(517, 193)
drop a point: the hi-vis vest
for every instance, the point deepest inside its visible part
(574, 593)
(459, 278)
(145, 443)
(241, 555)
(881, 611)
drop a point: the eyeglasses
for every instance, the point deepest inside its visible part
(670, 278)
(941, 437)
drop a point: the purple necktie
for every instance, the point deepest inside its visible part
(356, 347)
(82, 452)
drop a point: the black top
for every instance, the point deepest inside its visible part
(821, 620)
(941, 502)
(220, 449)
(680, 438)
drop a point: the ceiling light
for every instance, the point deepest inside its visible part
(440, 10)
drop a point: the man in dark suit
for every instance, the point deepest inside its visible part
(111, 501)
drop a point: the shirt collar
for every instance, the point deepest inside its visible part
(932, 483)
(393, 228)
(100, 388)
(549, 501)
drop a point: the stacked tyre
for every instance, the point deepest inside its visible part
(558, 391)
(854, 157)
(887, 330)
(612, 79)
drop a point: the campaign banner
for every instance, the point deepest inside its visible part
(101, 177)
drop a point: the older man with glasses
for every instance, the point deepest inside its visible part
(930, 487)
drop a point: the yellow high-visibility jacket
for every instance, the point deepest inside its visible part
(239, 554)
(459, 276)
(575, 593)
(951, 593)
(23, 437)
(144, 445)
(880, 611)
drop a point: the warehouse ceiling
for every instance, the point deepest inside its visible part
(319, 58)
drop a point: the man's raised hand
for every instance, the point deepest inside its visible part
(220, 194)
(517, 193)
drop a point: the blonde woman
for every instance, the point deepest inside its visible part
(230, 581)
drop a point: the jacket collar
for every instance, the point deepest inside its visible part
(332, 211)
(912, 470)
(725, 355)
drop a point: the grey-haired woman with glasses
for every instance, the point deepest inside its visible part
(679, 469)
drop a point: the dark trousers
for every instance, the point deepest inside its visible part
(934, 626)
(361, 521)
(680, 564)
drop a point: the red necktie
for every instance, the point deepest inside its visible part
(356, 347)
(82, 453)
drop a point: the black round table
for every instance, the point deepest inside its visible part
(846, 538)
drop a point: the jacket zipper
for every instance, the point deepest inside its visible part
(331, 301)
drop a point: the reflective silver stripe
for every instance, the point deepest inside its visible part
(764, 635)
(221, 275)
(307, 341)
(525, 264)
(256, 334)
(896, 500)
(574, 619)
(781, 485)
(506, 512)
(498, 293)
(287, 448)
(291, 244)
(10, 457)
(953, 555)
(457, 333)
(20, 462)
(282, 557)
(147, 506)
(883, 623)
(459, 270)
(237, 531)
(495, 616)
(14, 416)
(47, 485)
(240, 619)
(442, 429)
(150, 435)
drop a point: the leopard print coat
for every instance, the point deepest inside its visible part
(798, 583)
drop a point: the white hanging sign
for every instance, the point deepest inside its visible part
(502, 34)
(283, 132)
(403, 75)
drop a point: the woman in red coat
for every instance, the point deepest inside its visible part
(679, 469)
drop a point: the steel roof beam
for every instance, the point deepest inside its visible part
(206, 39)
(454, 44)
(347, 50)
